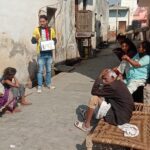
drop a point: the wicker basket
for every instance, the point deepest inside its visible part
(142, 108)
(109, 134)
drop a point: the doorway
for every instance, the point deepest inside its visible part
(51, 16)
(122, 26)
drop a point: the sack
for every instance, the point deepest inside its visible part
(47, 45)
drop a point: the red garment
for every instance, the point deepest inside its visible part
(47, 34)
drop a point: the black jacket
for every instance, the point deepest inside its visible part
(120, 99)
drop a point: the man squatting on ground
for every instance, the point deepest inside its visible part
(111, 99)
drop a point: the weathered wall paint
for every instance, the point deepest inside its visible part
(132, 6)
(123, 15)
(100, 9)
(18, 19)
(144, 3)
(65, 27)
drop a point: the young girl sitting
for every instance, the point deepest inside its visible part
(127, 47)
(7, 101)
(139, 67)
(10, 82)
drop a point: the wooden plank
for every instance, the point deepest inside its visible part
(143, 29)
(84, 34)
(84, 21)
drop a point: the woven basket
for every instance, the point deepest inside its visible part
(142, 108)
(109, 134)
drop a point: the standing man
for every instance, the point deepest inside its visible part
(45, 39)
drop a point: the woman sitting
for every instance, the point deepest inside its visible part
(138, 69)
(10, 82)
(7, 101)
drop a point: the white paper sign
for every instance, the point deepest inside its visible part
(47, 45)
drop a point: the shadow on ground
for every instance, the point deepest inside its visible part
(92, 67)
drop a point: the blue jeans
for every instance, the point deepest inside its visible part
(44, 60)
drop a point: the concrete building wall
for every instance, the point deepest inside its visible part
(142, 15)
(65, 27)
(18, 19)
(100, 20)
(122, 16)
(144, 3)
(126, 15)
(132, 4)
(104, 19)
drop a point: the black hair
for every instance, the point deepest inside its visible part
(126, 41)
(43, 17)
(146, 46)
(9, 71)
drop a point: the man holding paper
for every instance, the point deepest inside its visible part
(45, 39)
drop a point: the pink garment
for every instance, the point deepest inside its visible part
(8, 99)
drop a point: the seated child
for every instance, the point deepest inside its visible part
(127, 47)
(10, 82)
(7, 102)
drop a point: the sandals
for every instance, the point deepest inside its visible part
(80, 125)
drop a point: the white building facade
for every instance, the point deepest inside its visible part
(132, 4)
(19, 18)
(117, 15)
(121, 16)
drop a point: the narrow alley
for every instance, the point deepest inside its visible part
(74, 40)
(48, 124)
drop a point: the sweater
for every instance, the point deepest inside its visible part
(119, 97)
